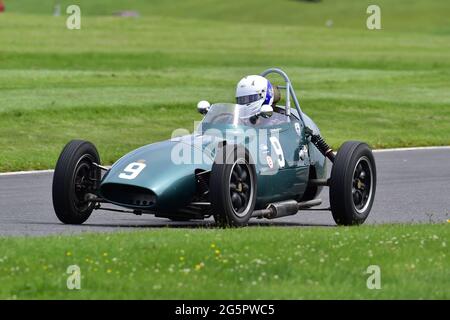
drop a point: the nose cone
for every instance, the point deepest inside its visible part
(158, 177)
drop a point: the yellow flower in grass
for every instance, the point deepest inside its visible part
(68, 253)
(199, 266)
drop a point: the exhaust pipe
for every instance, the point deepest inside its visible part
(282, 209)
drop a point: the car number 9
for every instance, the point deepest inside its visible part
(278, 150)
(132, 170)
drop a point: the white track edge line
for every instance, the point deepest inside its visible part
(19, 173)
(412, 149)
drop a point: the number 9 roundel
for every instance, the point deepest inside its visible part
(132, 170)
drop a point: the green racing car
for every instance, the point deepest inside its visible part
(251, 159)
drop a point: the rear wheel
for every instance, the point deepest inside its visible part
(74, 179)
(353, 183)
(233, 186)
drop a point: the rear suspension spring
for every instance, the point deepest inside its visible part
(321, 145)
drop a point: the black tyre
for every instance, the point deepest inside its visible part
(353, 183)
(233, 186)
(75, 177)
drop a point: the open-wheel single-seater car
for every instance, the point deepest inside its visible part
(235, 166)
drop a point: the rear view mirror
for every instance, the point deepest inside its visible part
(266, 111)
(203, 107)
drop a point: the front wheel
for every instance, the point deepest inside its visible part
(353, 183)
(233, 186)
(74, 179)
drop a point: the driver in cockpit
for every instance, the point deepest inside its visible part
(255, 91)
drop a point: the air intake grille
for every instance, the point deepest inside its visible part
(128, 195)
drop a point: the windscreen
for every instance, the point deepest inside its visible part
(228, 113)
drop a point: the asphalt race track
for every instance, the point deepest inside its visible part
(413, 187)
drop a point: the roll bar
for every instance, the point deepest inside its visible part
(290, 92)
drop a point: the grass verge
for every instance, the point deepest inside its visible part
(248, 263)
(122, 83)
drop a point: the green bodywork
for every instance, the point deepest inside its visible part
(174, 185)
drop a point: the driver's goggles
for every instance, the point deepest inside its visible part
(248, 99)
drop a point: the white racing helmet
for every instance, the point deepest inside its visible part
(253, 92)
